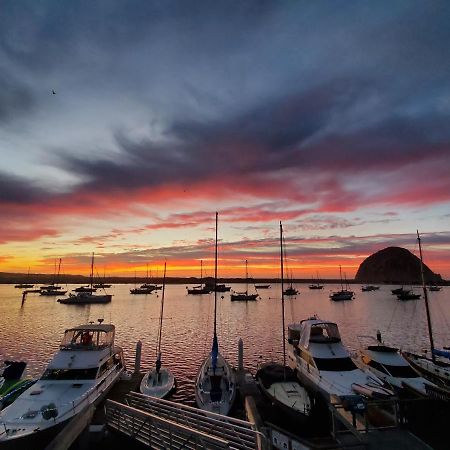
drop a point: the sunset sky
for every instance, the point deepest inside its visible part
(333, 117)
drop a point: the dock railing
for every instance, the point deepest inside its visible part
(149, 419)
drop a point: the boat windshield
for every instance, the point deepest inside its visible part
(87, 339)
(70, 374)
(323, 333)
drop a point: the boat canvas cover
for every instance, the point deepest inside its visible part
(315, 331)
(443, 353)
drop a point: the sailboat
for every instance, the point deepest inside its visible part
(81, 298)
(244, 296)
(159, 381)
(433, 368)
(26, 284)
(343, 294)
(215, 386)
(278, 382)
(143, 289)
(200, 289)
(53, 289)
(316, 285)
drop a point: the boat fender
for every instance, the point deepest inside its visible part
(49, 411)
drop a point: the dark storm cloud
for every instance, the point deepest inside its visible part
(19, 190)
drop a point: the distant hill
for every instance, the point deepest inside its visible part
(394, 265)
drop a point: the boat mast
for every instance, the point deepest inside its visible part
(425, 295)
(215, 344)
(340, 273)
(246, 276)
(158, 356)
(59, 268)
(201, 273)
(92, 270)
(282, 297)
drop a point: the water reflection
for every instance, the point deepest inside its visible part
(33, 332)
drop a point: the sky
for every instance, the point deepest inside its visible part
(330, 116)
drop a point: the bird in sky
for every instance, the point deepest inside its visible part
(53, 92)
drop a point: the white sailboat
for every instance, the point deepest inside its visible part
(159, 381)
(279, 382)
(435, 369)
(80, 374)
(244, 296)
(215, 386)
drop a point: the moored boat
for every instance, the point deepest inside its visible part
(343, 294)
(244, 296)
(159, 381)
(81, 373)
(323, 363)
(201, 288)
(215, 385)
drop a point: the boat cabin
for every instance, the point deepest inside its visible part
(88, 337)
(313, 331)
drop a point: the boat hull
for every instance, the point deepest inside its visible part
(83, 300)
(160, 387)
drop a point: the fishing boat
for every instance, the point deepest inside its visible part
(244, 296)
(435, 369)
(343, 294)
(324, 364)
(201, 288)
(86, 297)
(12, 382)
(279, 382)
(388, 364)
(159, 381)
(53, 290)
(215, 385)
(80, 374)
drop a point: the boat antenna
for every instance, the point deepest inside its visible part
(215, 345)
(158, 356)
(282, 298)
(425, 295)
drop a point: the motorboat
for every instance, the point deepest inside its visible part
(141, 290)
(215, 384)
(12, 382)
(388, 364)
(80, 374)
(262, 286)
(400, 290)
(316, 286)
(102, 285)
(369, 288)
(323, 363)
(82, 298)
(159, 381)
(52, 291)
(434, 288)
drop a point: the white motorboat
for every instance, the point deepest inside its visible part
(322, 362)
(159, 381)
(80, 374)
(215, 385)
(389, 365)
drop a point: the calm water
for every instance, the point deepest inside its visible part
(33, 332)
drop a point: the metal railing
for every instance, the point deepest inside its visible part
(238, 434)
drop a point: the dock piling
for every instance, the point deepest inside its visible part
(241, 355)
(137, 361)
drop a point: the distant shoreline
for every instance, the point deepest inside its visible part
(18, 278)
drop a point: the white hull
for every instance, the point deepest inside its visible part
(215, 390)
(158, 385)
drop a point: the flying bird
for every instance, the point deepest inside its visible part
(53, 92)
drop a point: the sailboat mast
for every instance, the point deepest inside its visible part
(59, 268)
(340, 273)
(425, 295)
(246, 276)
(282, 295)
(161, 312)
(92, 269)
(215, 281)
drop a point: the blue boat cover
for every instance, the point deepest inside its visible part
(214, 352)
(443, 353)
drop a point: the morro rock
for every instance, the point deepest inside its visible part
(394, 265)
